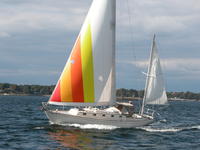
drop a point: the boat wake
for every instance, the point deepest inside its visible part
(173, 129)
(39, 128)
(92, 126)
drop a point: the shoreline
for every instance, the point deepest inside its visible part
(169, 99)
(117, 98)
(13, 94)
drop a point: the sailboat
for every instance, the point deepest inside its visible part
(85, 92)
(155, 92)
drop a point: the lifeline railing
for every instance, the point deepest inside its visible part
(149, 112)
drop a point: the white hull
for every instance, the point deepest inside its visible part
(62, 118)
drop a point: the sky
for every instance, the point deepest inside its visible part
(36, 37)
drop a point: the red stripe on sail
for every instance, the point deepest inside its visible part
(76, 73)
(55, 97)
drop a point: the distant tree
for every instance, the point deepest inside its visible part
(141, 93)
(5, 85)
(133, 93)
(13, 87)
(1, 86)
(26, 89)
(46, 90)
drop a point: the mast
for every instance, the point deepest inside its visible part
(148, 74)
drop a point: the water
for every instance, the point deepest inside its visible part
(24, 126)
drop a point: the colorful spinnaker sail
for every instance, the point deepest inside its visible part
(89, 75)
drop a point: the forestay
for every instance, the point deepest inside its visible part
(88, 78)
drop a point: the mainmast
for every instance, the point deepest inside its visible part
(148, 75)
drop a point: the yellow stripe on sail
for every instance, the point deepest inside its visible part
(87, 65)
(65, 85)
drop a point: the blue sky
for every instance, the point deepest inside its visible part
(37, 37)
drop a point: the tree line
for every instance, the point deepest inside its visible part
(6, 88)
(15, 89)
(171, 95)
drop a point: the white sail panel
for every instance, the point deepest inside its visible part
(155, 87)
(102, 21)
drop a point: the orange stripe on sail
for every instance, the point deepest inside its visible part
(55, 97)
(76, 73)
(65, 84)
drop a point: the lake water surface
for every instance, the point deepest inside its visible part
(23, 126)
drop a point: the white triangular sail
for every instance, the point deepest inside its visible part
(88, 78)
(155, 92)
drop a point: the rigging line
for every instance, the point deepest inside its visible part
(131, 24)
(118, 37)
(131, 28)
(121, 37)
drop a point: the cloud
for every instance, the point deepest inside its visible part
(151, 15)
(29, 16)
(155, 16)
(17, 72)
(183, 68)
(183, 64)
(37, 36)
(179, 74)
(4, 35)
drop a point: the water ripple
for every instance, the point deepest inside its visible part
(23, 126)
